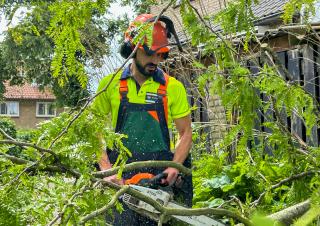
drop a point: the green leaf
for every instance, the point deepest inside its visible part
(218, 182)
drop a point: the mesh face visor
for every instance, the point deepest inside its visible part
(162, 31)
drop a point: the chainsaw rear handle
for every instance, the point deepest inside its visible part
(157, 180)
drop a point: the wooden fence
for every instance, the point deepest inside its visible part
(303, 64)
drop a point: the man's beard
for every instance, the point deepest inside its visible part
(143, 71)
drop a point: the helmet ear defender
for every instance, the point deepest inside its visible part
(127, 47)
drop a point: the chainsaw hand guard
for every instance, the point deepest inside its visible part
(148, 180)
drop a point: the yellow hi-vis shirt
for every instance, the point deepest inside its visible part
(109, 100)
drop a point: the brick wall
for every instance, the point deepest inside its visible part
(27, 115)
(217, 116)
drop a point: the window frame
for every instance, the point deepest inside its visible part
(46, 115)
(10, 115)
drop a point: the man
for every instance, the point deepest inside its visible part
(143, 102)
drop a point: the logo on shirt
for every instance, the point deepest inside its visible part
(151, 98)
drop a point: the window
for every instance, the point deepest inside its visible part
(46, 109)
(9, 108)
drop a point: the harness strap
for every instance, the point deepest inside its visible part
(123, 89)
(160, 113)
(162, 91)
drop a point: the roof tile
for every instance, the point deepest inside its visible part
(27, 92)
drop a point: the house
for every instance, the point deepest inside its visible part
(295, 48)
(27, 106)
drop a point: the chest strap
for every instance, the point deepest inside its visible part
(162, 91)
(123, 89)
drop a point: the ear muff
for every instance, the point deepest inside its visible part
(165, 55)
(126, 49)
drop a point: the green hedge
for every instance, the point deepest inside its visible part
(8, 126)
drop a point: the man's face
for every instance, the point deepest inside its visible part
(147, 65)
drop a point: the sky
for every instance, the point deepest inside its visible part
(4, 22)
(115, 10)
(111, 63)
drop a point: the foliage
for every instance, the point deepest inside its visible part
(37, 200)
(294, 6)
(63, 29)
(8, 126)
(30, 49)
(250, 170)
(259, 160)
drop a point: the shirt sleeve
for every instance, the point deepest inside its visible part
(179, 107)
(101, 104)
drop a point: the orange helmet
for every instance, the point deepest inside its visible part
(160, 34)
(162, 31)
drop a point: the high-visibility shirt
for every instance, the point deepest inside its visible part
(109, 100)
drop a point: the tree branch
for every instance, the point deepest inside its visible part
(15, 159)
(21, 161)
(143, 164)
(162, 218)
(24, 144)
(6, 135)
(208, 211)
(179, 212)
(286, 180)
(69, 203)
(210, 28)
(288, 215)
(105, 208)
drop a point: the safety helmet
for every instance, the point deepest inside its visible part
(162, 31)
(159, 35)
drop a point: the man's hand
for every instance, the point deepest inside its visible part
(172, 175)
(114, 179)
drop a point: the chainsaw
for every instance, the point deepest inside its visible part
(153, 187)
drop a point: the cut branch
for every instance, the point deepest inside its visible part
(288, 215)
(15, 160)
(6, 135)
(139, 165)
(180, 212)
(69, 203)
(24, 144)
(105, 208)
(286, 180)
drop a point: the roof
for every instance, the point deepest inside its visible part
(27, 92)
(265, 10)
(268, 8)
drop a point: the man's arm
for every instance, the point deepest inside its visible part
(104, 163)
(183, 126)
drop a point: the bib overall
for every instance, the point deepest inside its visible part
(148, 138)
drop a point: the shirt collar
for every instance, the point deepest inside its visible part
(157, 77)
